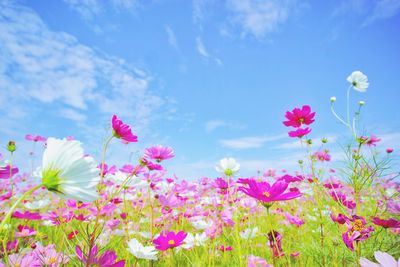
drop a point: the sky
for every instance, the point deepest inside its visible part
(209, 78)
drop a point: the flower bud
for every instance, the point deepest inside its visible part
(361, 103)
(324, 140)
(11, 146)
(333, 99)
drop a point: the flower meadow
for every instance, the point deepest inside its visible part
(74, 210)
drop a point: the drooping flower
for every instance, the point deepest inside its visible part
(383, 258)
(359, 81)
(300, 132)
(275, 243)
(170, 240)
(356, 231)
(7, 171)
(67, 172)
(266, 193)
(142, 252)
(389, 223)
(122, 130)
(107, 259)
(298, 117)
(159, 153)
(228, 167)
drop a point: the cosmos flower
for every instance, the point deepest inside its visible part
(228, 167)
(254, 261)
(298, 117)
(122, 130)
(25, 231)
(107, 259)
(359, 81)
(383, 258)
(266, 193)
(159, 153)
(195, 240)
(275, 243)
(35, 138)
(322, 155)
(170, 240)
(142, 252)
(356, 231)
(48, 256)
(300, 132)
(67, 172)
(389, 223)
(6, 171)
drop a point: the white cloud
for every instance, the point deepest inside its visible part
(88, 9)
(212, 125)
(38, 65)
(249, 141)
(383, 9)
(73, 115)
(172, 41)
(201, 49)
(260, 18)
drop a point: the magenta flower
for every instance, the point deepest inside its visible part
(25, 231)
(254, 261)
(275, 243)
(35, 138)
(293, 219)
(170, 240)
(356, 231)
(6, 171)
(298, 117)
(150, 165)
(222, 185)
(159, 153)
(107, 170)
(266, 193)
(389, 150)
(122, 130)
(27, 215)
(107, 259)
(322, 156)
(389, 223)
(48, 256)
(300, 132)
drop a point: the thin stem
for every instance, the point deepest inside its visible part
(337, 117)
(348, 106)
(104, 157)
(12, 184)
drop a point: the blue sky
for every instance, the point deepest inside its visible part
(209, 78)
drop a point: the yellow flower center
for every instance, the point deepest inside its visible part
(358, 225)
(171, 242)
(266, 194)
(52, 260)
(228, 172)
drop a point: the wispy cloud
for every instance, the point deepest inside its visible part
(87, 9)
(38, 65)
(213, 125)
(249, 141)
(383, 9)
(259, 18)
(172, 41)
(201, 49)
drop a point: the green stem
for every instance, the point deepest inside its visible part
(12, 185)
(104, 157)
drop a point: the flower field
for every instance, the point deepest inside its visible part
(76, 211)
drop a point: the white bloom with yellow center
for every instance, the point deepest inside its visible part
(228, 167)
(142, 252)
(359, 81)
(68, 172)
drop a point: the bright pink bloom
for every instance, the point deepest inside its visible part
(356, 231)
(369, 141)
(150, 165)
(222, 185)
(170, 240)
(293, 219)
(106, 170)
(290, 179)
(107, 259)
(25, 231)
(340, 218)
(27, 215)
(275, 243)
(35, 138)
(298, 117)
(300, 132)
(5, 171)
(122, 130)
(389, 223)
(59, 217)
(322, 155)
(389, 150)
(223, 248)
(159, 153)
(266, 193)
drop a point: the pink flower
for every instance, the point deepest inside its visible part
(275, 243)
(106, 170)
(293, 219)
(384, 260)
(48, 256)
(107, 259)
(159, 153)
(35, 138)
(6, 171)
(340, 218)
(224, 248)
(24, 260)
(298, 117)
(170, 240)
(389, 223)
(27, 215)
(25, 231)
(322, 155)
(122, 130)
(356, 231)
(300, 132)
(150, 165)
(266, 193)
(389, 150)
(369, 141)
(289, 179)
(254, 261)
(222, 185)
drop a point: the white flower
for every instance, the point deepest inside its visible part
(333, 99)
(249, 233)
(67, 172)
(201, 224)
(383, 258)
(37, 205)
(142, 252)
(194, 240)
(359, 81)
(228, 167)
